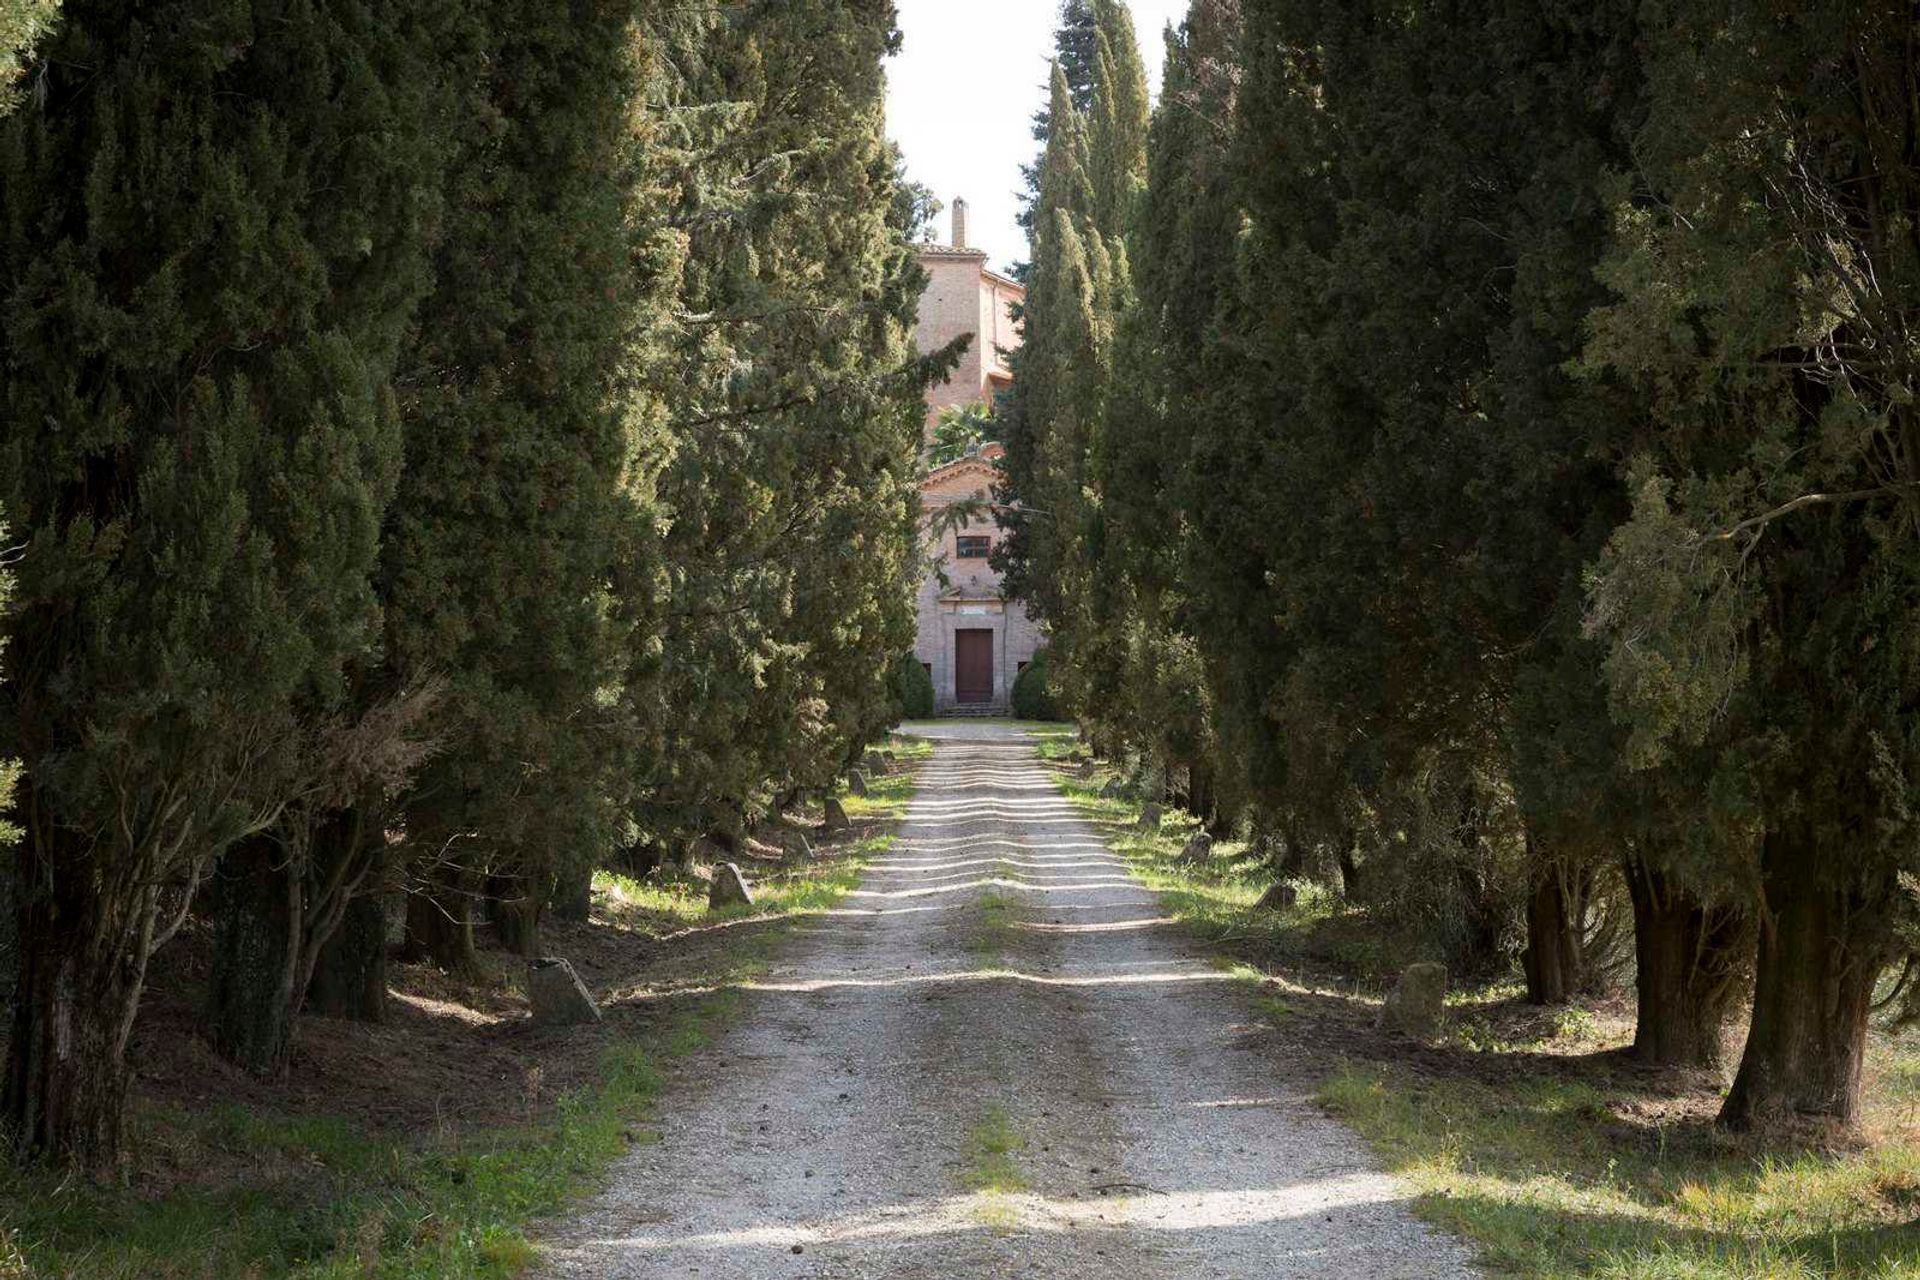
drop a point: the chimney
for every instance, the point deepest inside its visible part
(959, 224)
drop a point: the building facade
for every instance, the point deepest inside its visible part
(964, 298)
(972, 640)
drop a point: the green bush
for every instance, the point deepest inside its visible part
(912, 688)
(1033, 692)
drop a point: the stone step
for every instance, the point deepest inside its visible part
(973, 711)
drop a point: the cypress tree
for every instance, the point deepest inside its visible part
(199, 445)
(502, 545)
(791, 543)
(1079, 286)
(1757, 605)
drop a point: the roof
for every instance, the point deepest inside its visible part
(948, 251)
(1008, 281)
(959, 467)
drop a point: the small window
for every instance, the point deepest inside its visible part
(975, 547)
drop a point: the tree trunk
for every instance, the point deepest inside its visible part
(513, 908)
(1689, 961)
(440, 921)
(257, 926)
(78, 986)
(1822, 948)
(1349, 870)
(643, 859)
(1555, 962)
(572, 898)
(350, 976)
(1200, 793)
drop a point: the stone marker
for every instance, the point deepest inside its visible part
(856, 782)
(1112, 790)
(1150, 818)
(558, 996)
(874, 762)
(836, 819)
(1198, 849)
(796, 845)
(1279, 895)
(729, 888)
(1417, 1002)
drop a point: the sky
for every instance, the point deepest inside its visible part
(961, 98)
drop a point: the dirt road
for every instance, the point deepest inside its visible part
(998, 1059)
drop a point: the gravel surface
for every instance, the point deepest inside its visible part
(838, 1133)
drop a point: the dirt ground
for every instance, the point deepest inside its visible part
(998, 1058)
(451, 1056)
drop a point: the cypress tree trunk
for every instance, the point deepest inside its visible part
(1818, 962)
(572, 898)
(257, 926)
(1349, 870)
(350, 974)
(440, 921)
(513, 908)
(1688, 961)
(75, 996)
(1200, 793)
(1555, 960)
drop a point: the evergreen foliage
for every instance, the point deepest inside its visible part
(912, 688)
(791, 546)
(451, 443)
(22, 24)
(200, 442)
(1032, 694)
(1476, 460)
(525, 460)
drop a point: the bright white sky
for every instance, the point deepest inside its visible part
(961, 98)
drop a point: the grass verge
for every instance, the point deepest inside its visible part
(1525, 1131)
(319, 1197)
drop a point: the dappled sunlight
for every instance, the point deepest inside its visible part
(996, 882)
(1064, 820)
(807, 986)
(962, 844)
(1025, 864)
(1144, 1209)
(1111, 926)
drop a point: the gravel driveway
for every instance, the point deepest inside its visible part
(998, 975)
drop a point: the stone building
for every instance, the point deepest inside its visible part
(972, 641)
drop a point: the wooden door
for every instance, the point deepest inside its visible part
(973, 666)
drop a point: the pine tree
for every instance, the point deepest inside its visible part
(199, 446)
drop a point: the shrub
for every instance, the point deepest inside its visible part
(912, 688)
(1033, 692)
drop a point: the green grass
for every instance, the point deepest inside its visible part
(1551, 1181)
(1551, 1175)
(990, 937)
(992, 1169)
(326, 1199)
(342, 1202)
(992, 1149)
